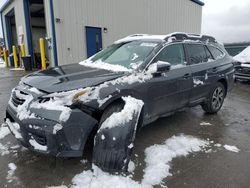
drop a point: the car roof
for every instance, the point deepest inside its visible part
(176, 36)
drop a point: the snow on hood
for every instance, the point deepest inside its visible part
(244, 56)
(102, 65)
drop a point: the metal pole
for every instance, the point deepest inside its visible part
(42, 50)
(15, 57)
(23, 50)
(5, 57)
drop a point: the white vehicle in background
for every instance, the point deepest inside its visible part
(242, 65)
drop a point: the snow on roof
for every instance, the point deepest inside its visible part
(243, 56)
(141, 37)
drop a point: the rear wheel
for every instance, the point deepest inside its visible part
(215, 99)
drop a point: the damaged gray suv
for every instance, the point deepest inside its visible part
(103, 101)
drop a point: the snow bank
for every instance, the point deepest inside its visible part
(4, 131)
(131, 107)
(243, 56)
(232, 148)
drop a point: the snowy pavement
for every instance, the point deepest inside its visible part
(188, 149)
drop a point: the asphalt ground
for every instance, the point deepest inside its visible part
(216, 168)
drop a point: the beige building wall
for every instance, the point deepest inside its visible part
(121, 18)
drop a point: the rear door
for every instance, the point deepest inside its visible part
(201, 62)
(170, 91)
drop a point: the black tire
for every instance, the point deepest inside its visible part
(215, 99)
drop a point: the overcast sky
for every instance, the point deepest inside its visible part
(227, 20)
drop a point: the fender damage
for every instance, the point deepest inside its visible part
(114, 140)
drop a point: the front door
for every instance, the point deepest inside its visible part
(171, 90)
(93, 40)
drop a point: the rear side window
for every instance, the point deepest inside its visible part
(217, 54)
(197, 53)
(173, 54)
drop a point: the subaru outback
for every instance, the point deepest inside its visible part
(103, 101)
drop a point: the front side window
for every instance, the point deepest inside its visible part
(197, 53)
(217, 54)
(173, 54)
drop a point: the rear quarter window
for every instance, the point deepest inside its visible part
(217, 54)
(197, 53)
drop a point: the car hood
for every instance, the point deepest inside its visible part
(69, 77)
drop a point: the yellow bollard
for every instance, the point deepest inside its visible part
(22, 50)
(42, 50)
(5, 57)
(15, 56)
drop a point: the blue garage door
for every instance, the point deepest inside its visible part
(93, 40)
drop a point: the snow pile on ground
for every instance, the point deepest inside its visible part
(12, 168)
(4, 150)
(158, 159)
(102, 65)
(132, 106)
(232, 148)
(203, 123)
(4, 131)
(98, 179)
(2, 63)
(244, 56)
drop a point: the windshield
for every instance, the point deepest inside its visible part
(129, 55)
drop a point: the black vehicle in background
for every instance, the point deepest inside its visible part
(106, 99)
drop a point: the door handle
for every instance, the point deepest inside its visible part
(186, 76)
(213, 70)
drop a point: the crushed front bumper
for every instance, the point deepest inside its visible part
(42, 134)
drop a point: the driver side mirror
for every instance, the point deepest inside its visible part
(159, 67)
